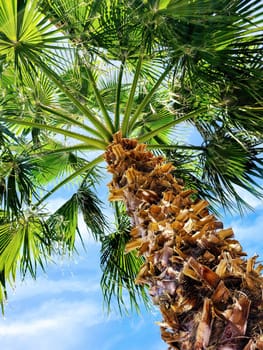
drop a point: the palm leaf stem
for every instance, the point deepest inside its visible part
(148, 97)
(66, 117)
(118, 97)
(117, 213)
(69, 178)
(104, 112)
(78, 147)
(189, 147)
(99, 144)
(125, 122)
(167, 126)
(89, 114)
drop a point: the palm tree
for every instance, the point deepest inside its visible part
(87, 81)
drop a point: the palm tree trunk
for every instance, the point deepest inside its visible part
(209, 294)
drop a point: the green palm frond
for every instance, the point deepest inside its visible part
(243, 107)
(119, 269)
(6, 135)
(63, 225)
(64, 222)
(3, 292)
(23, 246)
(229, 162)
(17, 180)
(90, 206)
(55, 165)
(186, 160)
(33, 52)
(94, 24)
(219, 168)
(23, 29)
(71, 16)
(65, 219)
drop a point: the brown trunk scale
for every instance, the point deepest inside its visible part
(209, 294)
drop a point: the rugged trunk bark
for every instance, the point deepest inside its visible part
(210, 296)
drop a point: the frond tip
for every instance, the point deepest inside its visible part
(90, 206)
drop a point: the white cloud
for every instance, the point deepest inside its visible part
(55, 314)
(56, 324)
(20, 328)
(44, 286)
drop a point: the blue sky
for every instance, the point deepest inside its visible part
(63, 309)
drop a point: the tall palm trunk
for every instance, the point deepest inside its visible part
(210, 296)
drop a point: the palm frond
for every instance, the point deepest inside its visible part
(24, 29)
(24, 246)
(119, 270)
(18, 183)
(55, 165)
(6, 135)
(90, 206)
(63, 224)
(232, 161)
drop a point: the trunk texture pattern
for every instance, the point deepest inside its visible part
(209, 294)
